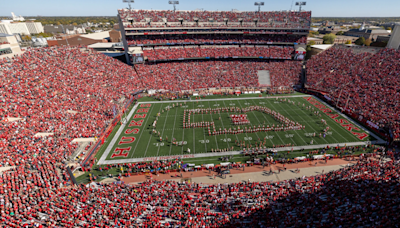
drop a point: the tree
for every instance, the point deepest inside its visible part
(312, 42)
(329, 39)
(360, 41)
(388, 28)
(348, 42)
(368, 42)
(340, 33)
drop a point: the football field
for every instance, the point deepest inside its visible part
(215, 127)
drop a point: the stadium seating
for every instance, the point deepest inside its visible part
(65, 92)
(177, 76)
(71, 92)
(271, 19)
(275, 52)
(364, 84)
(215, 39)
(361, 195)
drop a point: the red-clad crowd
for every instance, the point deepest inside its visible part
(274, 52)
(366, 84)
(217, 16)
(177, 76)
(215, 39)
(71, 92)
(362, 195)
(213, 25)
(66, 93)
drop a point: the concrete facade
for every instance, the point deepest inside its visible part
(22, 28)
(394, 41)
(9, 46)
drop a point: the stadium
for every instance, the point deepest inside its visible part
(219, 95)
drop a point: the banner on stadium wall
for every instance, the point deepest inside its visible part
(328, 98)
(114, 111)
(370, 124)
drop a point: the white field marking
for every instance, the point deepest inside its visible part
(237, 138)
(380, 140)
(331, 120)
(254, 116)
(162, 133)
(276, 133)
(228, 99)
(223, 127)
(309, 125)
(216, 140)
(116, 136)
(243, 129)
(204, 130)
(289, 116)
(219, 154)
(173, 130)
(151, 136)
(194, 140)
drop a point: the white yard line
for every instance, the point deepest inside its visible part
(316, 132)
(162, 133)
(223, 127)
(140, 136)
(216, 140)
(194, 139)
(289, 116)
(203, 128)
(116, 136)
(283, 143)
(237, 138)
(250, 123)
(219, 154)
(220, 99)
(331, 120)
(379, 139)
(173, 130)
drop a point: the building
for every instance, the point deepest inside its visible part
(394, 41)
(367, 33)
(315, 40)
(115, 36)
(8, 46)
(34, 27)
(21, 28)
(67, 29)
(76, 40)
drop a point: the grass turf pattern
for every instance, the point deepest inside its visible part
(198, 140)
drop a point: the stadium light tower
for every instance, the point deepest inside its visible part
(129, 2)
(174, 3)
(300, 4)
(259, 4)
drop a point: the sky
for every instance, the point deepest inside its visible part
(319, 8)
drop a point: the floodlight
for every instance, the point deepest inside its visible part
(129, 2)
(259, 4)
(174, 3)
(300, 4)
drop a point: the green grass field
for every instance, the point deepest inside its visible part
(136, 142)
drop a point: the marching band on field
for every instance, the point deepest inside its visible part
(240, 119)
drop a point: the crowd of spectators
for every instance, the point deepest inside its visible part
(218, 16)
(214, 25)
(215, 39)
(365, 84)
(273, 52)
(191, 75)
(65, 93)
(364, 194)
(70, 93)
